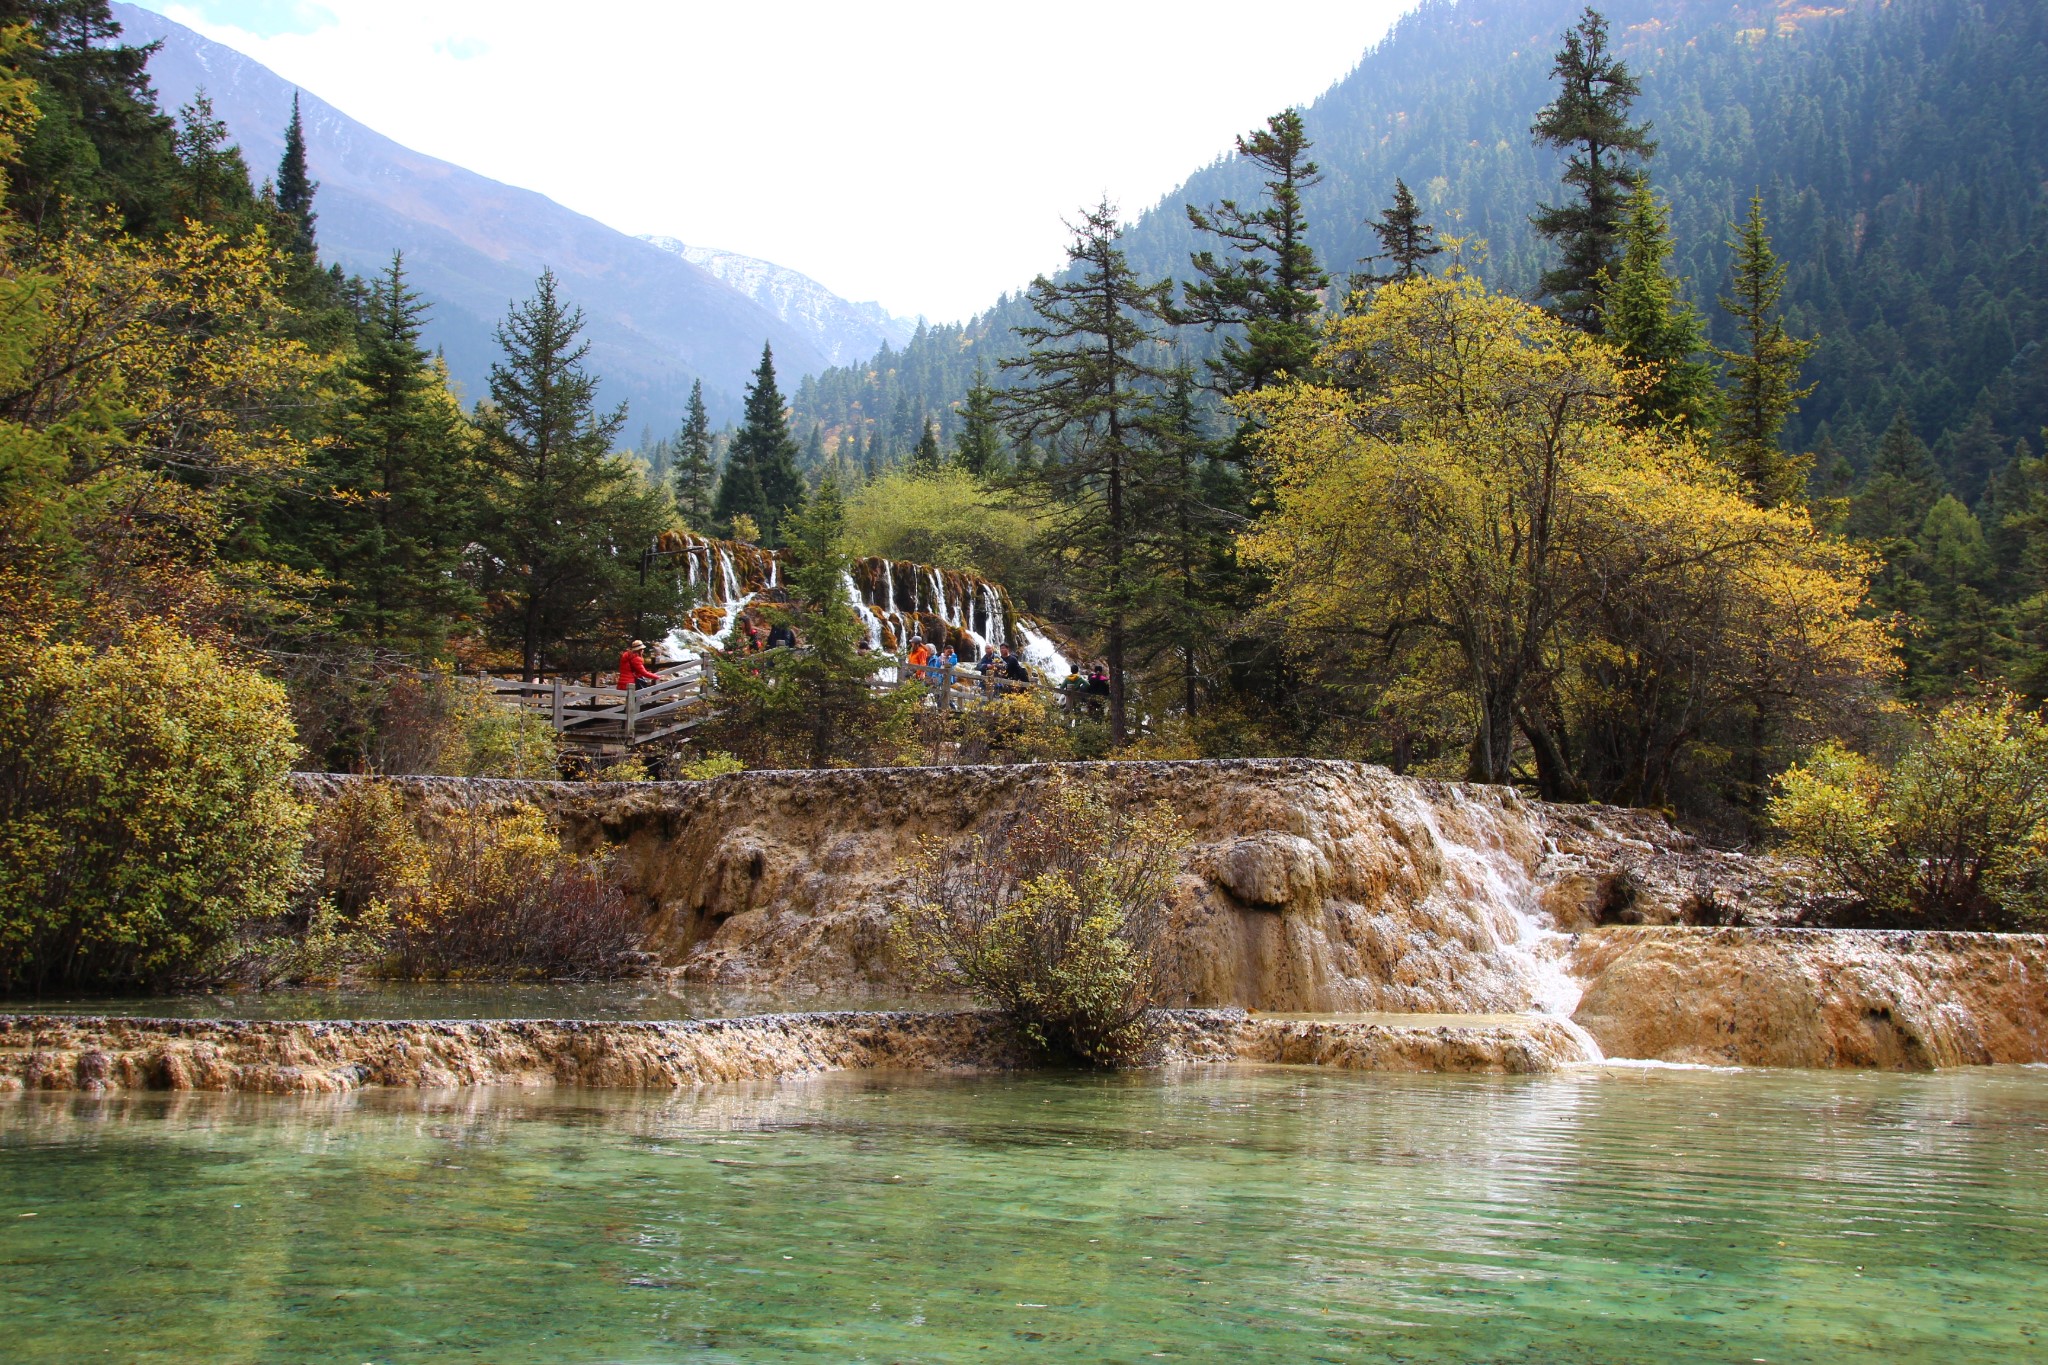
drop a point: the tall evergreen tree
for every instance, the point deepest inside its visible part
(1187, 545)
(1589, 120)
(761, 478)
(1267, 281)
(690, 467)
(1646, 314)
(979, 447)
(394, 513)
(1763, 369)
(1406, 242)
(567, 522)
(924, 459)
(295, 185)
(213, 179)
(1087, 390)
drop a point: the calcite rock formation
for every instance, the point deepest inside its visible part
(1816, 997)
(102, 1056)
(1317, 887)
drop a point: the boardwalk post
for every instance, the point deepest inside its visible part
(632, 711)
(558, 706)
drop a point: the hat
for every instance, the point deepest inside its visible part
(639, 644)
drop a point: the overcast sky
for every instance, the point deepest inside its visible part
(918, 154)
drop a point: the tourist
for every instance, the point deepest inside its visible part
(988, 670)
(633, 670)
(920, 655)
(1013, 667)
(782, 636)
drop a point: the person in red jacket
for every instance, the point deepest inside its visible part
(633, 669)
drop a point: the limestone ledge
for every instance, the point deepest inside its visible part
(100, 1055)
(1895, 999)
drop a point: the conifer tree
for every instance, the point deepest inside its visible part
(1763, 370)
(925, 458)
(213, 179)
(1188, 544)
(389, 525)
(979, 446)
(690, 467)
(1267, 281)
(761, 478)
(1087, 390)
(1589, 119)
(1406, 242)
(567, 522)
(1646, 315)
(295, 186)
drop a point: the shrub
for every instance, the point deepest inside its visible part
(143, 810)
(1052, 919)
(1015, 727)
(499, 895)
(358, 714)
(1953, 835)
(704, 767)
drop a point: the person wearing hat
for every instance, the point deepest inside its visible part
(633, 669)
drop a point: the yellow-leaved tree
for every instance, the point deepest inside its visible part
(1472, 491)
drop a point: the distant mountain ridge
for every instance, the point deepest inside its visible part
(472, 245)
(845, 331)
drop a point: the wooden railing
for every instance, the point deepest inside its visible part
(684, 697)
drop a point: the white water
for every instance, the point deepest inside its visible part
(1043, 655)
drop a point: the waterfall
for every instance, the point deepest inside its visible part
(868, 617)
(1043, 655)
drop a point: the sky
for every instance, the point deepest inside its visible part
(919, 154)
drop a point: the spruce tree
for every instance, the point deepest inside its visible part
(394, 509)
(1267, 281)
(295, 186)
(979, 447)
(924, 459)
(690, 466)
(567, 523)
(1406, 242)
(1589, 119)
(1088, 390)
(1763, 370)
(761, 478)
(1647, 316)
(1187, 545)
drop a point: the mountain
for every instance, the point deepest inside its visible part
(473, 246)
(1901, 147)
(846, 332)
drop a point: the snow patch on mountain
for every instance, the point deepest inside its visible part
(845, 331)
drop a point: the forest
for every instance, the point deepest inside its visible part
(1603, 464)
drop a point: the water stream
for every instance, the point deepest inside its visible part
(1240, 1213)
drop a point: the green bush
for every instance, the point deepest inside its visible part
(143, 809)
(1053, 920)
(1952, 835)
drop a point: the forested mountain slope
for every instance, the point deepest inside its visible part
(1902, 149)
(473, 245)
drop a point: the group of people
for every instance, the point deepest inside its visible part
(937, 665)
(934, 665)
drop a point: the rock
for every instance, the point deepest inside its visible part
(1815, 997)
(59, 1053)
(1271, 871)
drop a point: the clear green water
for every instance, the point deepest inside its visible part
(1264, 1214)
(474, 1000)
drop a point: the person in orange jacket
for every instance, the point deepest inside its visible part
(633, 669)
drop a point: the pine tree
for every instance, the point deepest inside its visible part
(1902, 488)
(213, 179)
(1268, 283)
(979, 447)
(924, 459)
(1589, 117)
(567, 522)
(1763, 370)
(761, 478)
(1406, 242)
(1646, 315)
(1188, 545)
(1088, 391)
(690, 468)
(295, 186)
(394, 511)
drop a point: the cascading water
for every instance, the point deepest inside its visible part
(898, 601)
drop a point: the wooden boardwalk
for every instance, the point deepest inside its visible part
(611, 719)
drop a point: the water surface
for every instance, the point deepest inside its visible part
(1232, 1213)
